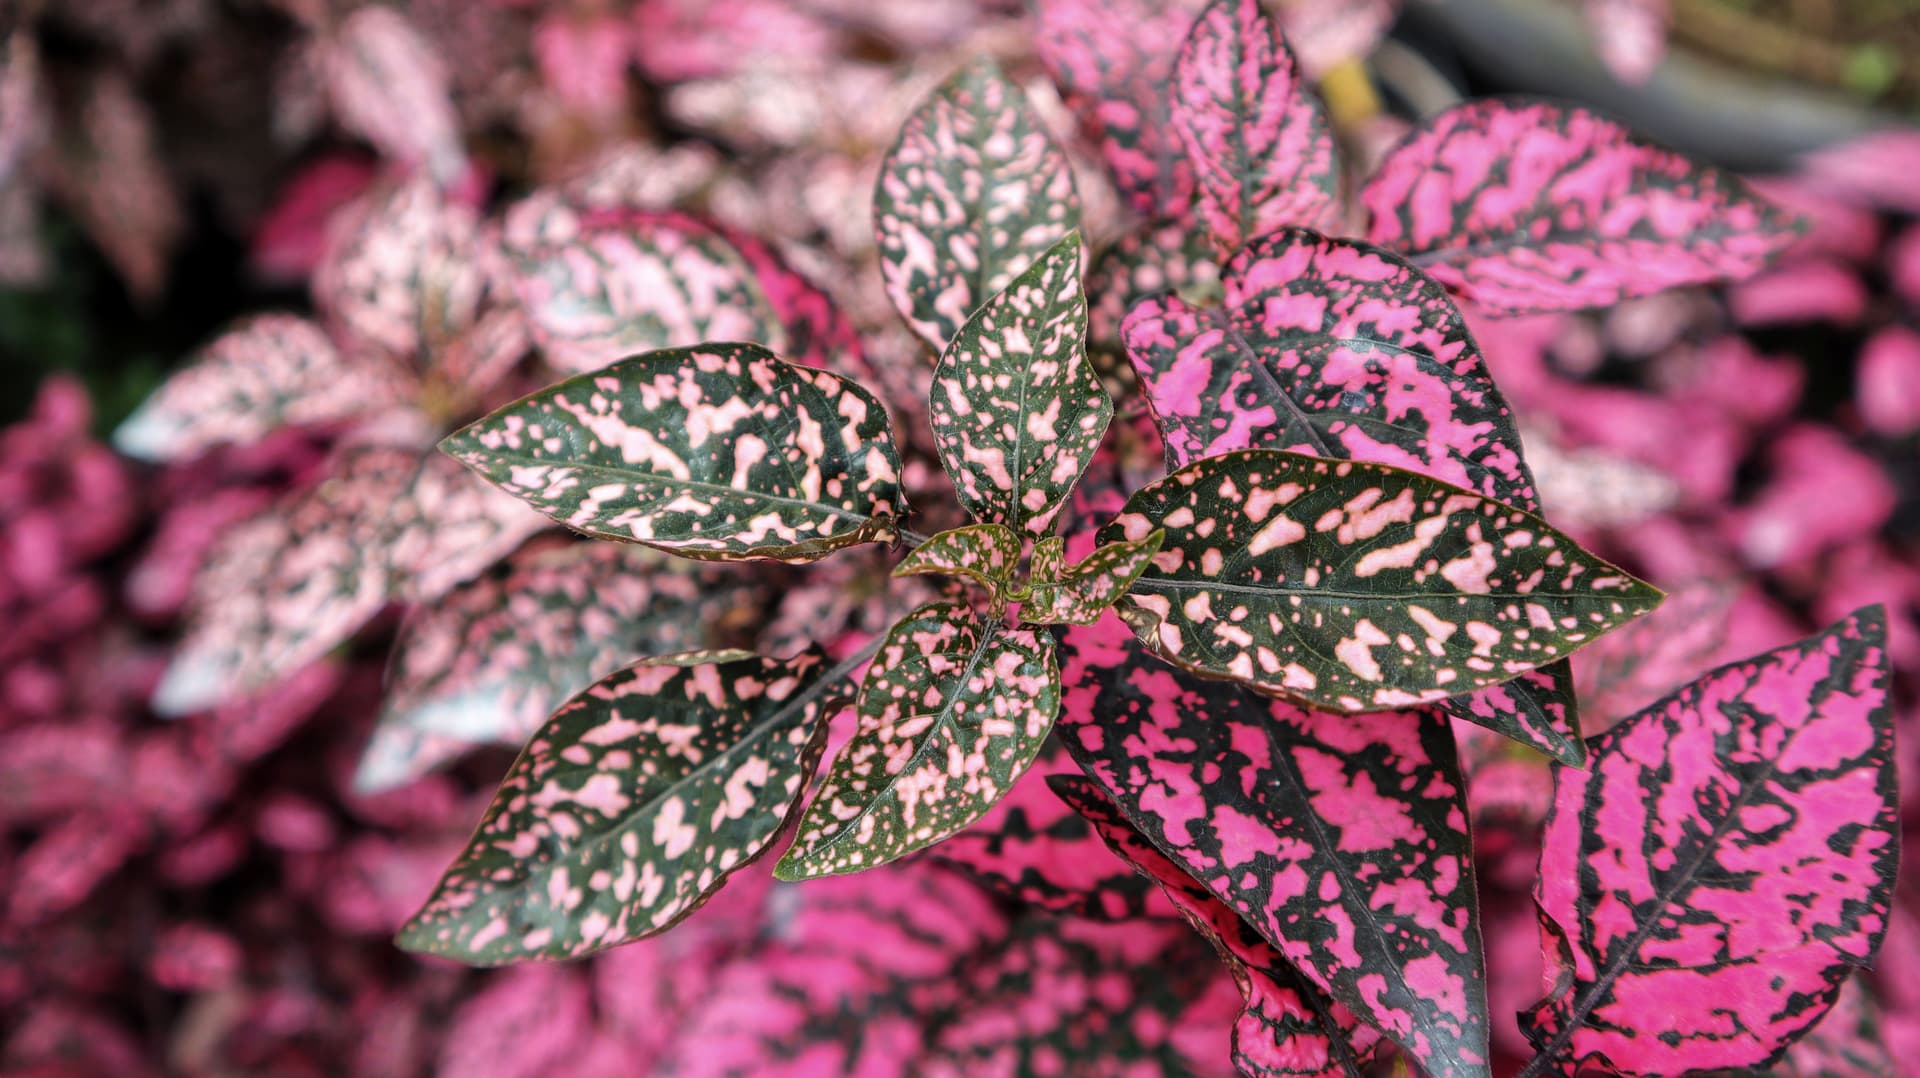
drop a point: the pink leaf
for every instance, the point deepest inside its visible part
(108, 169)
(1261, 153)
(1630, 35)
(1535, 207)
(388, 85)
(402, 271)
(583, 60)
(451, 526)
(1734, 842)
(1325, 33)
(1304, 823)
(1803, 291)
(1887, 386)
(1113, 61)
(291, 237)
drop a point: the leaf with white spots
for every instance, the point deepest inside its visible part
(1723, 867)
(952, 711)
(632, 805)
(403, 272)
(987, 554)
(1334, 348)
(1358, 587)
(264, 373)
(1262, 155)
(1080, 593)
(720, 451)
(1528, 206)
(1017, 409)
(1340, 839)
(620, 282)
(1288, 1027)
(970, 193)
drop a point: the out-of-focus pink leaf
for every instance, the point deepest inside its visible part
(1887, 382)
(1803, 291)
(291, 238)
(1324, 33)
(22, 116)
(1173, 257)
(388, 85)
(264, 373)
(583, 60)
(1527, 206)
(524, 1024)
(107, 168)
(1288, 1028)
(1113, 61)
(1261, 153)
(1821, 491)
(402, 271)
(1629, 35)
(1655, 656)
(1846, 1044)
(1282, 813)
(970, 194)
(1735, 841)
(451, 526)
(1876, 168)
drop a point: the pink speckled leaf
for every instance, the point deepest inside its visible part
(1288, 1027)
(1173, 257)
(720, 451)
(266, 372)
(1358, 587)
(452, 526)
(817, 332)
(1629, 670)
(987, 554)
(632, 805)
(388, 85)
(106, 165)
(970, 194)
(1340, 839)
(1038, 852)
(1849, 1042)
(1261, 152)
(1017, 409)
(1528, 206)
(628, 282)
(1337, 349)
(952, 711)
(286, 587)
(402, 271)
(1113, 61)
(1707, 887)
(1078, 594)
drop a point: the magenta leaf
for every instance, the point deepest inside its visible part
(970, 193)
(1527, 206)
(1017, 409)
(1357, 587)
(1262, 155)
(817, 332)
(952, 711)
(634, 282)
(1078, 594)
(632, 805)
(1113, 61)
(388, 85)
(264, 373)
(1728, 861)
(1340, 839)
(987, 554)
(1288, 1027)
(1040, 853)
(1337, 349)
(720, 451)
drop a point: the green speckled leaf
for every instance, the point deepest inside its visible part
(1017, 409)
(1079, 594)
(1358, 587)
(720, 451)
(952, 711)
(632, 805)
(968, 195)
(987, 554)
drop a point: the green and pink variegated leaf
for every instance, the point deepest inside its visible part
(1288, 1027)
(987, 554)
(967, 196)
(402, 272)
(1113, 61)
(1336, 349)
(1017, 409)
(632, 805)
(1528, 206)
(1358, 587)
(451, 526)
(952, 711)
(387, 84)
(1710, 883)
(1036, 851)
(1169, 257)
(817, 332)
(489, 662)
(284, 588)
(720, 451)
(1340, 839)
(633, 282)
(264, 373)
(1262, 155)
(1078, 594)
